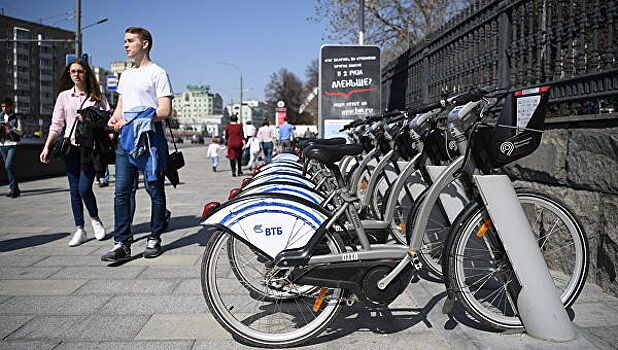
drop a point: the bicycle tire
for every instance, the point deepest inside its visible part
(474, 298)
(221, 288)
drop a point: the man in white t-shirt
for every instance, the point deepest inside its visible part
(145, 89)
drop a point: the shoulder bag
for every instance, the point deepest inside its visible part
(175, 161)
(62, 145)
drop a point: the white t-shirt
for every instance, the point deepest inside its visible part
(143, 86)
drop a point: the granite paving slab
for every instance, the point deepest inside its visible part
(14, 273)
(185, 326)
(39, 287)
(8, 324)
(97, 272)
(127, 345)
(53, 305)
(132, 287)
(148, 305)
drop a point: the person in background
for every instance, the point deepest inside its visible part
(266, 135)
(78, 89)
(253, 147)
(104, 181)
(249, 130)
(235, 142)
(10, 133)
(213, 153)
(286, 131)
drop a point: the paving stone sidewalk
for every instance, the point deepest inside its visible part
(56, 297)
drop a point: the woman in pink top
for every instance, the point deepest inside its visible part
(266, 135)
(78, 89)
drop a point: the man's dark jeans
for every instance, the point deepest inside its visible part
(126, 176)
(8, 153)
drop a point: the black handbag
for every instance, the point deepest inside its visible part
(175, 161)
(62, 145)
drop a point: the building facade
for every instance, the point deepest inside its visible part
(253, 110)
(32, 64)
(199, 109)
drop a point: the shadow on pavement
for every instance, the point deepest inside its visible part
(386, 320)
(30, 241)
(40, 191)
(176, 223)
(200, 238)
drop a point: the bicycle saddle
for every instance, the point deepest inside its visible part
(332, 141)
(330, 154)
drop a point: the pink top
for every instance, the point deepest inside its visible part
(67, 104)
(266, 133)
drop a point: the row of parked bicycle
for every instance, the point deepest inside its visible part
(340, 223)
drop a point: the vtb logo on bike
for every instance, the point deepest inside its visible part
(268, 231)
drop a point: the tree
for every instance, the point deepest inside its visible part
(285, 85)
(394, 25)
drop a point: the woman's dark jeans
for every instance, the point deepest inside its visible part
(80, 185)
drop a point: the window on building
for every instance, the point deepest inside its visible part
(46, 61)
(22, 57)
(22, 69)
(46, 83)
(24, 105)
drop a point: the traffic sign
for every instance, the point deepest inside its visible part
(111, 82)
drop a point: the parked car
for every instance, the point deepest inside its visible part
(197, 139)
(179, 139)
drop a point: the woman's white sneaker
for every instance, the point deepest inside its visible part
(79, 237)
(99, 229)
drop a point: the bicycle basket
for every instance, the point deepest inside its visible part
(367, 143)
(439, 147)
(518, 130)
(405, 144)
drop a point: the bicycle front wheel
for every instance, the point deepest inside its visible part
(481, 274)
(258, 305)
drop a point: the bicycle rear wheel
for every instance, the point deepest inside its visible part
(262, 308)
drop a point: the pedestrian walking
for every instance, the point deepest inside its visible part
(286, 131)
(254, 148)
(10, 133)
(235, 142)
(144, 101)
(78, 89)
(266, 135)
(249, 130)
(213, 153)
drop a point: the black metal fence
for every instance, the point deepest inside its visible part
(573, 45)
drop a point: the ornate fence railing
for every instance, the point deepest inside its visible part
(520, 43)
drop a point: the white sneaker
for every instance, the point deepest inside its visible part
(79, 237)
(99, 229)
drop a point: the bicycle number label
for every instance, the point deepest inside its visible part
(273, 231)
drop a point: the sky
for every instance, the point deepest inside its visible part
(191, 37)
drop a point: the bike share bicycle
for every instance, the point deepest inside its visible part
(305, 270)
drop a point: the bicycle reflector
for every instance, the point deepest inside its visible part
(255, 171)
(245, 181)
(233, 193)
(209, 207)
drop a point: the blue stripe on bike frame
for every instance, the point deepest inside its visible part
(312, 225)
(261, 204)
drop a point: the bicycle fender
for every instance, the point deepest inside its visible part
(291, 178)
(286, 188)
(269, 223)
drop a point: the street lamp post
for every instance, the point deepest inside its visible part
(79, 29)
(239, 71)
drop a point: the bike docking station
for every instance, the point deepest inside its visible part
(540, 309)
